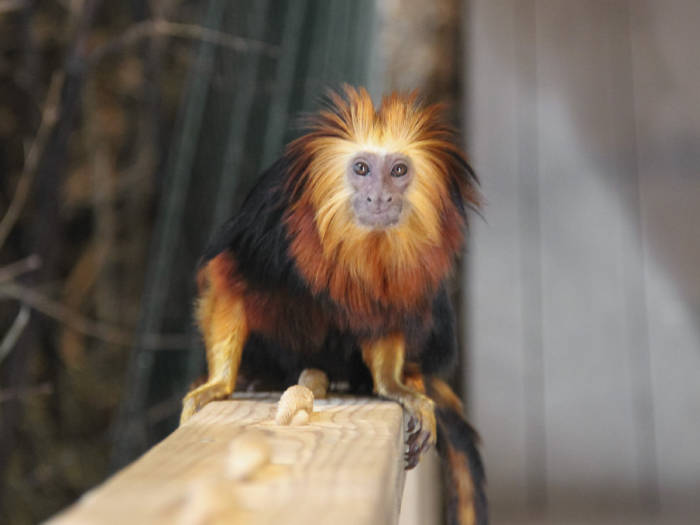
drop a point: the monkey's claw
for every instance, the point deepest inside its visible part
(189, 407)
(202, 395)
(411, 425)
(420, 428)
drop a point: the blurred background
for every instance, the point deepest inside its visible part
(129, 129)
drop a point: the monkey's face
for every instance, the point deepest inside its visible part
(378, 183)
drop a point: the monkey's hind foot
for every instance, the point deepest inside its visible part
(202, 395)
(421, 429)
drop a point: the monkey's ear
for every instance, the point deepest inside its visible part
(463, 167)
(471, 200)
(464, 184)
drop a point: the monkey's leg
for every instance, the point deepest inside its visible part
(385, 360)
(223, 323)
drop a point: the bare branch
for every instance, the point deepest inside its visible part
(150, 28)
(15, 331)
(49, 116)
(97, 329)
(17, 268)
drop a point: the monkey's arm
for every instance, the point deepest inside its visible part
(257, 237)
(222, 321)
(385, 359)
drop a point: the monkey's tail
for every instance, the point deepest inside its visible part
(462, 466)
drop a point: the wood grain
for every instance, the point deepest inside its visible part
(345, 466)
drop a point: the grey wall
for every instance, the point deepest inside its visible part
(584, 277)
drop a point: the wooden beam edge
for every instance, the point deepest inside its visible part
(345, 465)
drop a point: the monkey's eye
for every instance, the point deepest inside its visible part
(399, 170)
(360, 168)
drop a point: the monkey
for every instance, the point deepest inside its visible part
(338, 260)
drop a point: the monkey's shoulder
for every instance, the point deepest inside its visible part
(256, 236)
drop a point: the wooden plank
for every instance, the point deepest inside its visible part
(595, 519)
(587, 237)
(529, 206)
(495, 378)
(617, 149)
(666, 72)
(345, 466)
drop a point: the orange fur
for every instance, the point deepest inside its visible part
(443, 395)
(360, 267)
(221, 316)
(463, 486)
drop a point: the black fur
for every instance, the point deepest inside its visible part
(258, 237)
(453, 429)
(439, 354)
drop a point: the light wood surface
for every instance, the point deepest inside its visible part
(345, 466)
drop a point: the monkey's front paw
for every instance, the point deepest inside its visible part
(202, 395)
(189, 407)
(421, 430)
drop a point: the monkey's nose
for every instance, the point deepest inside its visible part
(379, 199)
(379, 203)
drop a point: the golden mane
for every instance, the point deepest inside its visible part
(363, 267)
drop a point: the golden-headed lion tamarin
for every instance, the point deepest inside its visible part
(338, 260)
